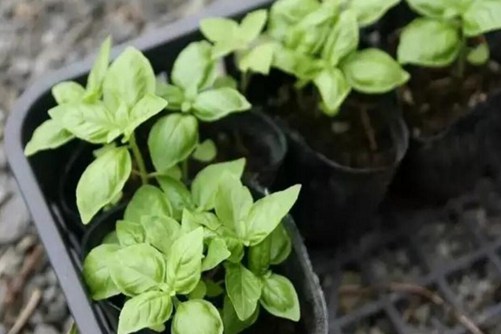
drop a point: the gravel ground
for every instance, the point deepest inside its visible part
(37, 36)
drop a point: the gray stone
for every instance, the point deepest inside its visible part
(3, 157)
(14, 220)
(3, 293)
(10, 261)
(50, 294)
(2, 329)
(5, 187)
(57, 310)
(45, 329)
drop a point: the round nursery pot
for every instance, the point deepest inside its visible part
(337, 200)
(297, 268)
(252, 135)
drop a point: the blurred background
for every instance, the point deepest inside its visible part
(36, 37)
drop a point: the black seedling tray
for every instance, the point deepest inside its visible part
(435, 248)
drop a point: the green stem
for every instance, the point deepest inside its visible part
(139, 159)
(461, 62)
(184, 169)
(244, 81)
(175, 301)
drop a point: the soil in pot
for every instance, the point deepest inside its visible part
(344, 163)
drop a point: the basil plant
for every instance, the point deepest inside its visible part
(440, 37)
(119, 98)
(318, 43)
(200, 258)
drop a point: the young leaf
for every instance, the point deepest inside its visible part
(280, 298)
(147, 310)
(193, 220)
(215, 104)
(199, 291)
(178, 195)
(206, 183)
(172, 139)
(260, 257)
(257, 59)
(232, 324)
(147, 200)
(217, 29)
(129, 233)
(92, 122)
(268, 212)
(225, 81)
(102, 181)
(431, 8)
(172, 94)
(252, 24)
(370, 11)
(281, 245)
(243, 288)
(217, 253)
(233, 204)
(96, 272)
(68, 92)
(111, 238)
(482, 17)
(185, 263)
(333, 88)
(99, 69)
(128, 79)
(373, 71)
(430, 43)
(479, 55)
(137, 268)
(343, 38)
(213, 289)
(205, 151)
(192, 67)
(161, 232)
(197, 316)
(47, 136)
(144, 109)
(236, 248)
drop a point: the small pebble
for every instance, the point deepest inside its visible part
(14, 220)
(45, 329)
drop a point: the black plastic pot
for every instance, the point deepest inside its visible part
(39, 176)
(297, 268)
(337, 202)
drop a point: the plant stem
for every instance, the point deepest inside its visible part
(139, 159)
(369, 130)
(244, 81)
(184, 169)
(175, 301)
(461, 62)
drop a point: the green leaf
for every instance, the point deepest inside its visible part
(343, 38)
(178, 195)
(137, 268)
(172, 94)
(195, 317)
(192, 68)
(130, 233)
(96, 272)
(172, 139)
(149, 309)
(431, 8)
(111, 238)
(260, 257)
(193, 220)
(236, 248)
(281, 245)
(370, 11)
(258, 59)
(99, 69)
(280, 298)
(185, 263)
(233, 325)
(68, 92)
(213, 289)
(430, 43)
(233, 204)
(479, 55)
(216, 253)
(147, 107)
(128, 79)
(73, 329)
(373, 71)
(92, 122)
(284, 59)
(161, 232)
(215, 104)
(199, 291)
(206, 183)
(102, 181)
(225, 81)
(252, 24)
(244, 290)
(333, 88)
(482, 16)
(147, 200)
(205, 151)
(48, 135)
(217, 29)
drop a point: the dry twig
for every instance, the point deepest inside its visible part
(25, 314)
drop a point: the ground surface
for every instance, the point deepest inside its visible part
(37, 36)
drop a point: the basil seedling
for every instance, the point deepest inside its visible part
(165, 266)
(440, 37)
